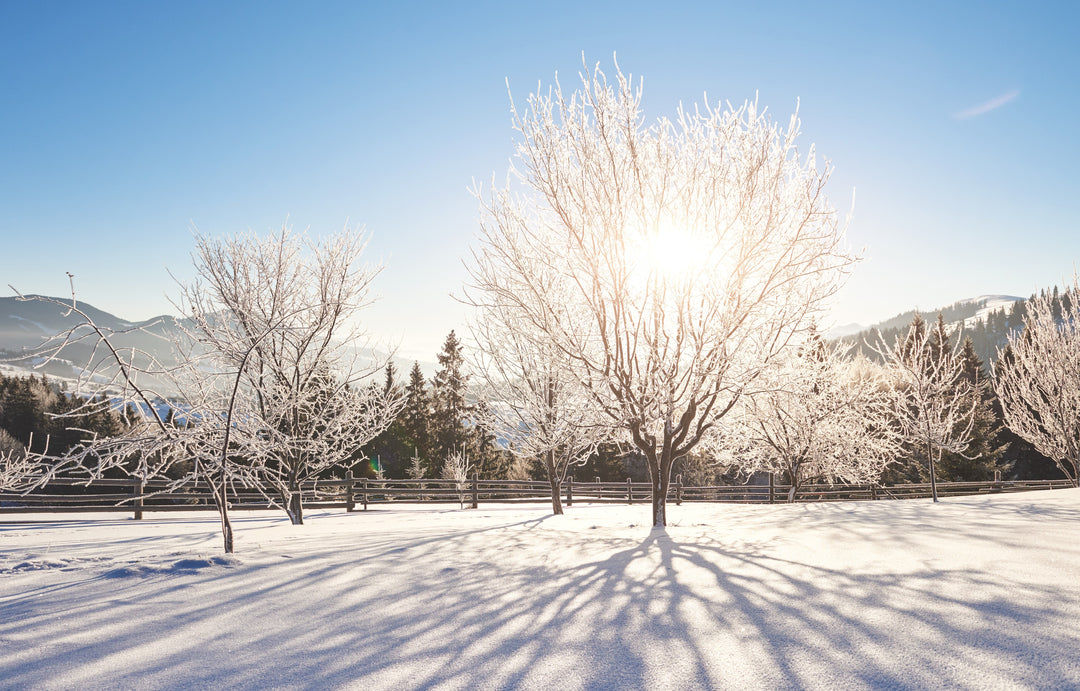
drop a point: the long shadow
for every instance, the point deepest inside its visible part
(528, 604)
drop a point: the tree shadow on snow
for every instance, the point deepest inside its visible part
(526, 604)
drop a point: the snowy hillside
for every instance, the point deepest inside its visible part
(25, 325)
(971, 593)
(987, 304)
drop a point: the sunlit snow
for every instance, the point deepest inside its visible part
(976, 592)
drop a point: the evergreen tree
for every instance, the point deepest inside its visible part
(451, 411)
(416, 420)
(389, 452)
(986, 450)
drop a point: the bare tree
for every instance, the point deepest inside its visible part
(147, 447)
(456, 468)
(268, 375)
(18, 470)
(534, 406)
(1038, 379)
(665, 263)
(296, 300)
(818, 414)
(933, 402)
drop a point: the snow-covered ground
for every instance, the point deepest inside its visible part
(979, 592)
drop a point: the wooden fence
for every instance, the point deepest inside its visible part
(133, 496)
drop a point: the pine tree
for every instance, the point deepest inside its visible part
(451, 411)
(416, 419)
(389, 452)
(986, 450)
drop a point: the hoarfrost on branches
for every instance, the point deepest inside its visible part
(270, 381)
(932, 400)
(817, 414)
(457, 468)
(534, 405)
(665, 263)
(304, 379)
(1038, 379)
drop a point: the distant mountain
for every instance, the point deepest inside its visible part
(844, 330)
(27, 325)
(986, 319)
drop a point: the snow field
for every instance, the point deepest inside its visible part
(974, 592)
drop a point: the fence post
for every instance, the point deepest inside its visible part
(873, 490)
(629, 491)
(772, 486)
(570, 491)
(678, 490)
(350, 500)
(138, 489)
(476, 490)
(363, 493)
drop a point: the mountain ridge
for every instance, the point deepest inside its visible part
(26, 324)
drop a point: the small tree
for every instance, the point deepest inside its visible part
(933, 403)
(456, 467)
(303, 377)
(18, 470)
(532, 405)
(665, 263)
(146, 446)
(819, 414)
(1038, 379)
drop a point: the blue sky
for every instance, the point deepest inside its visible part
(122, 124)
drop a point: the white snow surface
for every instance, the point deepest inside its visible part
(993, 302)
(977, 592)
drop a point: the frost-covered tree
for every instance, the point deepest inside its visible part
(17, 469)
(296, 300)
(933, 403)
(269, 379)
(532, 404)
(666, 262)
(148, 445)
(456, 467)
(818, 414)
(1038, 379)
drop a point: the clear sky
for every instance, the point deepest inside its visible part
(124, 124)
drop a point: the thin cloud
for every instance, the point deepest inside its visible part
(984, 108)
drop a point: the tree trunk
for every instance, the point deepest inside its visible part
(661, 480)
(294, 505)
(793, 475)
(556, 483)
(556, 499)
(933, 479)
(226, 525)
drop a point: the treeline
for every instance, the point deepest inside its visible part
(440, 419)
(988, 334)
(994, 447)
(32, 414)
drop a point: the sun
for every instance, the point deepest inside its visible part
(667, 253)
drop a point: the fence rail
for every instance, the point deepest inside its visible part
(134, 496)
